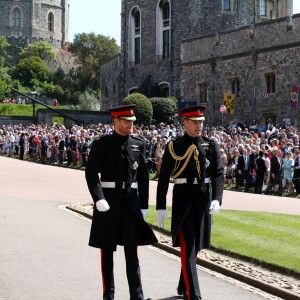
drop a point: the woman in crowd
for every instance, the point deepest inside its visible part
(288, 171)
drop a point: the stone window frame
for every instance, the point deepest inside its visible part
(163, 31)
(163, 86)
(134, 89)
(224, 3)
(235, 86)
(202, 92)
(134, 37)
(14, 18)
(270, 82)
(50, 21)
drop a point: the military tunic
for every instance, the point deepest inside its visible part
(187, 195)
(121, 160)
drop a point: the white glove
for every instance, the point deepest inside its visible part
(214, 207)
(161, 215)
(144, 213)
(102, 205)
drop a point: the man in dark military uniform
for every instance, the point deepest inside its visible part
(121, 200)
(195, 165)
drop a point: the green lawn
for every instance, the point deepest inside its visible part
(269, 238)
(21, 109)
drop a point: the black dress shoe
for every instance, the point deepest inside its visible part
(182, 293)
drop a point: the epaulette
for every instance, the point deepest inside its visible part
(137, 138)
(209, 139)
(176, 140)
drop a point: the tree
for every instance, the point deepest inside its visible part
(3, 51)
(32, 67)
(143, 110)
(92, 51)
(88, 101)
(164, 109)
(5, 78)
(42, 50)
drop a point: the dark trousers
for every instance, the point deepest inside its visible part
(296, 183)
(187, 239)
(275, 181)
(240, 179)
(259, 182)
(22, 150)
(129, 232)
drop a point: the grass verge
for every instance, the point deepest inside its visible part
(266, 238)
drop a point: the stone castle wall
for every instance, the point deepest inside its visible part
(248, 54)
(188, 19)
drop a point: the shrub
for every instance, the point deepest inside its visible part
(164, 109)
(143, 110)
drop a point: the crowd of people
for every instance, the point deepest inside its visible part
(265, 157)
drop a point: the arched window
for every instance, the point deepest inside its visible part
(263, 8)
(132, 90)
(164, 89)
(16, 17)
(163, 29)
(134, 51)
(51, 22)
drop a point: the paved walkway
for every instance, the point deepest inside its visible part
(68, 185)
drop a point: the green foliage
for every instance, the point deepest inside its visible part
(58, 120)
(92, 51)
(6, 109)
(30, 68)
(143, 110)
(58, 93)
(3, 51)
(46, 89)
(174, 99)
(41, 49)
(88, 101)
(164, 109)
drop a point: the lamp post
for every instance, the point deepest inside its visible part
(33, 93)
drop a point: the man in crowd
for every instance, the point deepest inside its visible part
(195, 164)
(275, 172)
(121, 200)
(296, 176)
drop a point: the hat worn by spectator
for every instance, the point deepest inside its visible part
(124, 112)
(274, 149)
(194, 113)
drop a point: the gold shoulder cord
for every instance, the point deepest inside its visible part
(192, 149)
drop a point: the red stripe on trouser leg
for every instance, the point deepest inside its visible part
(101, 264)
(183, 262)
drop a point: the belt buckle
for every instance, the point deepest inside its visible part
(134, 185)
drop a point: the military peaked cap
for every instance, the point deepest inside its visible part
(124, 112)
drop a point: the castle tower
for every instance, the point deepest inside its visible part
(25, 21)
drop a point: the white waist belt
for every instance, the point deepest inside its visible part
(184, 180)
(112, 185)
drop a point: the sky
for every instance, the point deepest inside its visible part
(103, 17)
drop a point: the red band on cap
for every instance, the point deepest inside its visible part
(122, 113)
(197, 113)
